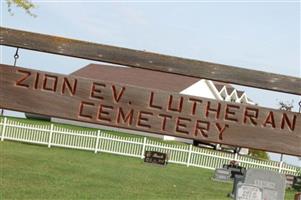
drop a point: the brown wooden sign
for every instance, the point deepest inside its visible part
(126, 106)
(149, 60)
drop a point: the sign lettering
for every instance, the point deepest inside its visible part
(160, 112)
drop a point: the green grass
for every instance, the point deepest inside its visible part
(36, 172)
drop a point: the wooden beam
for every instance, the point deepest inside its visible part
(111, 104)
(147, 60)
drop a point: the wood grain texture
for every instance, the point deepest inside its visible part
(108, 103)
(148, 60)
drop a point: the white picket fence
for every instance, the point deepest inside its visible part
(100, 141)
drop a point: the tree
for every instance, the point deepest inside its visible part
(259, 154)
(286, 106)
(24, 4)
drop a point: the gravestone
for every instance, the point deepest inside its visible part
(155, 157)
(289, 180)
(237, 179)
(235, 169)
(272, 183)
(248, 192)
(297, 182)
(222, 174)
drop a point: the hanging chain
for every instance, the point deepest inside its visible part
(300, 106)
(16, 56)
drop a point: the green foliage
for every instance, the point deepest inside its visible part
(299, 172)
(24, 4)
(259, 154)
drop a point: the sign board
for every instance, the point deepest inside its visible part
(160, 112)
(149, 60)
(155, 157)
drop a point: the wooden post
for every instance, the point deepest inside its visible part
(50, 135)
(97, 141)
(143, 148)
(189, 155)
(148, 60)
(3, 129)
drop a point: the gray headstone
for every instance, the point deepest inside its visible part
(222, 174)
(248, 192)
(272, 183)
(289, 181)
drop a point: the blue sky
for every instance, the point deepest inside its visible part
(257, 35)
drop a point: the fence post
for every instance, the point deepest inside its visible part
(280, 166)
(3, 128)
(143, 148)
(97, 141)
(235, 156)
(189, 155)
(50, 135)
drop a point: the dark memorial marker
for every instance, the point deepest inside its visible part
(130, 107)
(297, 183)
(155, 157)
(235, 170)
(237, 179)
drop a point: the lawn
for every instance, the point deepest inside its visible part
(36, 172)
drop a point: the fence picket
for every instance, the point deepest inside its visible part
(97, 141)
(189, 155)
(3, 129)
(143, 147)
(50, 135)
(128, 146)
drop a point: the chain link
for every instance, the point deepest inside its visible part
(16, 56)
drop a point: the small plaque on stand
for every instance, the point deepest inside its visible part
(155, 157)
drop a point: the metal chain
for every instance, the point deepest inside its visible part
(16, 56)
(300, 106)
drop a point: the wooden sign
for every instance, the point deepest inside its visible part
(149, 60)
(160, 112)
